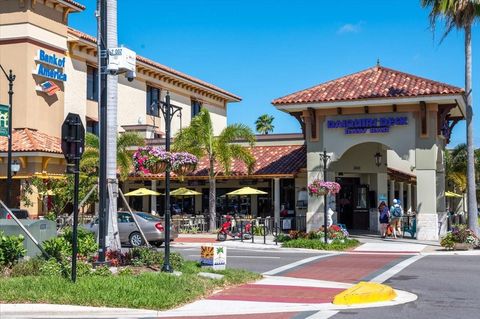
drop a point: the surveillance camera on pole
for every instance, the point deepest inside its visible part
(122, 60)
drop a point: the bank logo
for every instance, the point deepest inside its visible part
(49, 88)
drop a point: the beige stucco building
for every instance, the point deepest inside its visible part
(56, 71)
(385, 132)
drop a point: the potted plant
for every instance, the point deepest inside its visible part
(319, 188)
(183, 163)
(460, 238)
(152, 160)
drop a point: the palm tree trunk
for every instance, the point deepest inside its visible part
(212, 197)
(112, 83)
(472, 199)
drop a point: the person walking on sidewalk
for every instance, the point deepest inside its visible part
(396, 213)
(384, 216)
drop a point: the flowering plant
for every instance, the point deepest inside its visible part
(183, 159)
(460, 234)
(146, 158)
(334, 232)
(319, 188)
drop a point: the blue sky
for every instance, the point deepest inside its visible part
(265, 49)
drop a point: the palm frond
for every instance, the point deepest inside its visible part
(129, 139)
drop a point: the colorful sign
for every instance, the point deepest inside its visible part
(46, 62)
(49, 87)
(4, 120)
(214, 256)
(373, 125)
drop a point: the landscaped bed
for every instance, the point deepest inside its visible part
(337, 239)
(135, 283)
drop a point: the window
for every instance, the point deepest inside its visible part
(153, 96)
(196, 107)
(92, 127)
(92, 83)
(124, 218)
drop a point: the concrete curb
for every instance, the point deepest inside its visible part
(365, 292)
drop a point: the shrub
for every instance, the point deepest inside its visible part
(126, 271)
(52, 268)
(11, 249)
(143, 256)
(28, 267)
(319, 244)
(459, 234)
(281, 238)
(102, 271)
(58, 248)
(61, 247)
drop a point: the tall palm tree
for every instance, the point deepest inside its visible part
(91, 155)
(198, 139)
(264, 124)
(461, 14)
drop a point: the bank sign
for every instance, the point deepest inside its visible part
(50, 66)
(370, 125)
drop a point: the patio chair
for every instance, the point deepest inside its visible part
(411, 229)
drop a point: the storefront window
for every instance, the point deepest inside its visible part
(153, 96)
(196, 107)
(92, 83)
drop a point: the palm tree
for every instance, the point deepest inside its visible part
(91, 155)
(198, 139)
(461, 14)
(264, 124)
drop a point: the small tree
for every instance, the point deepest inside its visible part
(264, 124)
(198, 139)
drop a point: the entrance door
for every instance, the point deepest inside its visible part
(352, 203)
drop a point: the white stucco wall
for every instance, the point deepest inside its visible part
(132, 101)
(76, 88)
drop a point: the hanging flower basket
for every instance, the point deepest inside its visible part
(320, 188)
(183, 163)
(151, 160)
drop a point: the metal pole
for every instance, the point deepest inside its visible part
(75, 213)
(102, 100)
(325, 196)
(166, 260)
(10, 77)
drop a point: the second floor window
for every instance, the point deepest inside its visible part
(196, 107)
(92, 83)
(153, 96)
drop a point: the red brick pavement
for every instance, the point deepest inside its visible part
(278, 293)
(344, 268)
(281, 315)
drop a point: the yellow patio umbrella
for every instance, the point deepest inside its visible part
(47, 193)
(451, 194)
(182, 192)
(246, 191)
(142, 192)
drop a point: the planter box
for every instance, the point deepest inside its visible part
(462, 246)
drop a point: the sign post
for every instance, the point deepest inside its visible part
(73, 143)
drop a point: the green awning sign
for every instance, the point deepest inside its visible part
(4, 120)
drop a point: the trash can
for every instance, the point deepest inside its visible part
(41, 230)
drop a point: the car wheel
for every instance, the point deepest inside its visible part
(136, 239)
(221, 237)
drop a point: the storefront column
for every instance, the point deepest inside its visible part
(153, 199)
(276, 200)
(254, 205)
(408, 208)
(400, 194)
(441, 204)
(427, 218)
(392, 192)
(382, 188)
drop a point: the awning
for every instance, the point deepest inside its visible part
(450, 194)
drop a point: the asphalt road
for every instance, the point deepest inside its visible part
(447, 287)
(255, 260)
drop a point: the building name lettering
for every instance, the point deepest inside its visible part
(50, 66)
(368, 125)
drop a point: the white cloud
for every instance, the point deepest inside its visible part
(350, 28)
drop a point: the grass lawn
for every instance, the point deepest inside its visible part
(320, 244)
(152, 290)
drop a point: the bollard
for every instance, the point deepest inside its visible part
(264, 232)
(241, 230)
(276, 234)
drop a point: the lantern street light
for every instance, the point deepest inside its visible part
(168, 111)
(15, 167)
(324, 158)
(10, 78)
(378, 159)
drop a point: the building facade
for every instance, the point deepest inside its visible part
(385, 132)
(56, 73)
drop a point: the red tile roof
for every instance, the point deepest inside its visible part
(29, 140)
(270, 160)
(79, 6)
(375, 82)
(162, 67)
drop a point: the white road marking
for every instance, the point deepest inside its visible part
(395, 269)
(295, 264)
(301, 282)
(322, 315)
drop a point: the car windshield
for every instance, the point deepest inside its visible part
(148, 216)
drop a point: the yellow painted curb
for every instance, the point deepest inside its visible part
(365, 292)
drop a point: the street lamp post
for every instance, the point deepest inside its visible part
(10, 77)
(168, 111)
(324, 157)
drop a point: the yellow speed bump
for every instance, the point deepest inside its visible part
(365, 292)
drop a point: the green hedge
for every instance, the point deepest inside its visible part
(320, 244)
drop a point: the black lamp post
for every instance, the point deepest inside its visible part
(324, 157)
(378, 159)
(10, 78)
(168, 111)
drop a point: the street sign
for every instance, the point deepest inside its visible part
(73, 138)
(4, 120)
